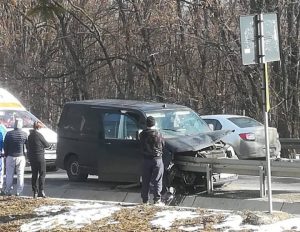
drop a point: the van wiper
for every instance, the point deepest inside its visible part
(169, 129)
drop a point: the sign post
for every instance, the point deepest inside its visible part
(260, 44)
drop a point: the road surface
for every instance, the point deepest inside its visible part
(246, 187)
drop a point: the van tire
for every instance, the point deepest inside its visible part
(73, 170)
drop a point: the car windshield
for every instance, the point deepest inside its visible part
(7, 118)
(184, 121)
(244, 122)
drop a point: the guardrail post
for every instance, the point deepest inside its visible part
(262, 181)
(209, 178)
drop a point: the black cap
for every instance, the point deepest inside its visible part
(150, 121)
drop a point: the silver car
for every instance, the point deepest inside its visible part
(248, 138)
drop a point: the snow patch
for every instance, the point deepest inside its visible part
(74, 216)
(165, 219)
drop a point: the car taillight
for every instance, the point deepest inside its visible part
(248, 136)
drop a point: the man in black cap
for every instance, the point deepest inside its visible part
(152, 145)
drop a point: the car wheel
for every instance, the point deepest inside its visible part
(73, 170)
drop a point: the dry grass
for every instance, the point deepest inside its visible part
(205, 220)
(126, 219)
(137, 219)
(261, 218)
(14, 211)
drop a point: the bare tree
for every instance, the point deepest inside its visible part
(182, 51)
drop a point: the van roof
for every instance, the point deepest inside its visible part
(9, 102)
(128, 104)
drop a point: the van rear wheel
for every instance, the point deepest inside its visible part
(73, 170)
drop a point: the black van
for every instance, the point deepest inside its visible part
(101, 137)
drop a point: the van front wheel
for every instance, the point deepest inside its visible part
(73, 170)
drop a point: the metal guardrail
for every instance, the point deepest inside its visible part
(291, 143)
(281, 168)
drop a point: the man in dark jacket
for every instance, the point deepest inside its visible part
(36, 154)
(14, 144)
(152, 144)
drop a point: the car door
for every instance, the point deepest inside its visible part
(220, 124)
(121, 159)
(90, 139)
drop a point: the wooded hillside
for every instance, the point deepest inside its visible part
(179, 51)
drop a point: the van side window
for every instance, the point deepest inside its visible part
(111, 122)
(130, 127)
(89, 123)
(74, 120)
(119, 126)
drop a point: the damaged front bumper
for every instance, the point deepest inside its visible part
(187, 155)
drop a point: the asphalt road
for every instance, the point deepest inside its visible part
(60, 178)
(242, 194)
(244, 187)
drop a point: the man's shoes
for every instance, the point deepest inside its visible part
(159, 203)
(17, 194)
(171, 190)
(169, 195)
(42, 194)
(35, 194)
(145, 202)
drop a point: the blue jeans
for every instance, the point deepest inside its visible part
(153, 170)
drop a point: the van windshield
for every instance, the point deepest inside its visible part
(7, 118)
(184, 121)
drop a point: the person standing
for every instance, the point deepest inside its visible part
(2, 135)
(36, 154)
(14, 144)
(152, 144)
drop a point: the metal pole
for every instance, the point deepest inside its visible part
(209, 179)
(265, 91)
(268, 163)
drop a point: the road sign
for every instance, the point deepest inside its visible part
(271, 38)
(250, 38)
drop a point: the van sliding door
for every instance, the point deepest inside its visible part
(121, 160)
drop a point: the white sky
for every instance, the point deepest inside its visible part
(78, 215)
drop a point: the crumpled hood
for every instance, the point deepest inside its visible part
(194, 142)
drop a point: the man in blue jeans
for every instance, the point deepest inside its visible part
(14, 144)
(2, 135)
(153, 168)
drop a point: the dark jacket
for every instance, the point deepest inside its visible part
(36, 144)
(152, 143)
(14, 143)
